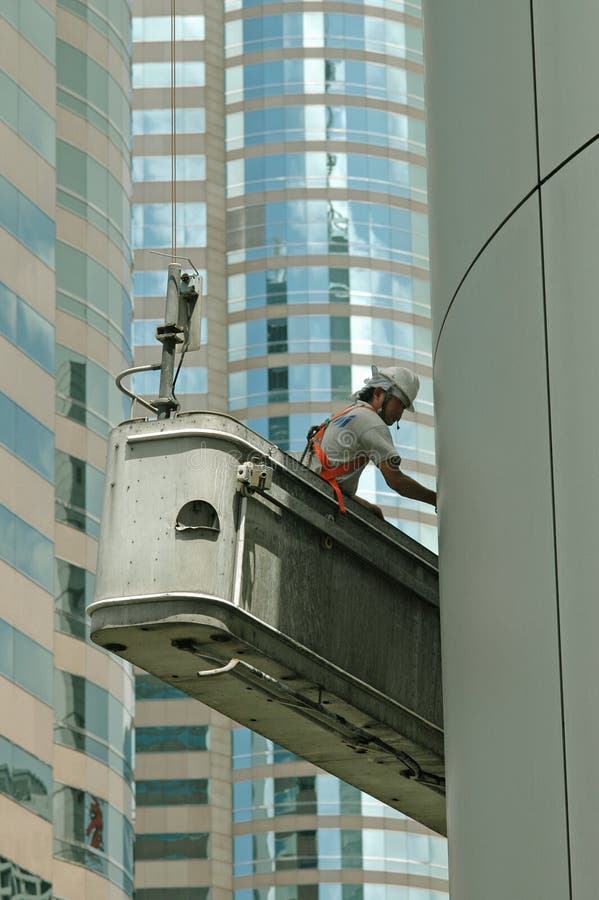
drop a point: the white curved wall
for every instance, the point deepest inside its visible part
(515, 232)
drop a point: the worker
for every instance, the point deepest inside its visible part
(342, 446)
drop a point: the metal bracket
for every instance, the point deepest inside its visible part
(255, 476)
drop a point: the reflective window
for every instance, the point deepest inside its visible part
(87, 89)
(88, 290)
(374, 337)
(177, 893)
(26, 222)
(152, 225)
(78, 493)
(289, 384)
(34, 23)
(346, 891)
(320, 76)
(322, 795)
(427, 535)
(91, 720)
(171, 846)
(172, 792)
(86, 392)
(192, 380)
(158, 74)
(16, 881)
(327, 227)
(25, 548)
(318, 29)
(25, 779)
(73, 592)
(346, 171)
(278, 431)
(21, 113)
(23, 326)
(190, 120)
(319, 284)
(365, 335)
(341, 848)
(27, 438)
(159, 168)
(159, 28)
(113, 23)
(90, 832)
(170, 738)
(148, 687)
(361, 124)
(89, 190)
(251, 749)
(410, 6)
(25, 662)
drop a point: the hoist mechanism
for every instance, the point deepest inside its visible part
(226, 568)
(180, 332)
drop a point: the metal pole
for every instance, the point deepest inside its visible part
(169, 335)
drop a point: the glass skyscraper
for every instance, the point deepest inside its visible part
(301, 197)
(65, 309)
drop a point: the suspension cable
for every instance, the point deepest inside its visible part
(173, 130)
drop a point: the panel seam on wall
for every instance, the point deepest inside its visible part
(537, 187)
(551, 453)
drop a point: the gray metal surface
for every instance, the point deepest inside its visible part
(326, 625)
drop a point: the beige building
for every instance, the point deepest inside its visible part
(66, 795)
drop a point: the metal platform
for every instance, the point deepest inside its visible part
(226, 569)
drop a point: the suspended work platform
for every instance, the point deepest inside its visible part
(227, 570)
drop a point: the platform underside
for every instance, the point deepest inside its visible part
(282, 690)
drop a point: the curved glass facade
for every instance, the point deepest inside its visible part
(319, 122)
(90, 832)
(302, 200)
(65, 331)
(341, 829)
(327, 205)
(355, 31)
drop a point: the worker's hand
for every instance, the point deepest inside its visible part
(372, 506)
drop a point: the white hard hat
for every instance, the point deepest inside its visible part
(403, 383)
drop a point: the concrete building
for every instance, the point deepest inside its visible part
(301, 198)
(66, 788)
(514, 167)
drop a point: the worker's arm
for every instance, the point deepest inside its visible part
(405, 485)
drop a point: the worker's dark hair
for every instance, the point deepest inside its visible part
(366, 394)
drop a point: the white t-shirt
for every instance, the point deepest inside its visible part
(358, 432)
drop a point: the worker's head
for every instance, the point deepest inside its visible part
(391, 391)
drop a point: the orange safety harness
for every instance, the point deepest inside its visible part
(329, 472)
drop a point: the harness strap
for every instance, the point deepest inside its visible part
(331, 473)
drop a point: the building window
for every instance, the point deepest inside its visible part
(277, 335)
(171, 846)
(278, 384)
(278, 431)
(171, 738)
(73, 590)
(172, 792)
(89, 832)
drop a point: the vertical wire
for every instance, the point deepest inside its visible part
(173, 134)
